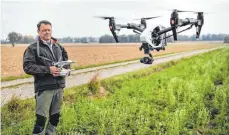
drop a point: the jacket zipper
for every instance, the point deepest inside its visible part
(53, 56)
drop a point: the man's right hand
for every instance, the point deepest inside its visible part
(54, 71)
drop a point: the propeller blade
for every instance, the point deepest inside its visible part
(206, 13)
(104, 17)
(185, 11)
(180, 11)
(147, 18)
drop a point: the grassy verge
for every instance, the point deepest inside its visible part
(15, 86)
(181, 97)
(10, 78)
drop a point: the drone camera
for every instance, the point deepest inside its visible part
(146, 60)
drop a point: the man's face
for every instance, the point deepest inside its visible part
(45, 32)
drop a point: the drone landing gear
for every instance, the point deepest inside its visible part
(147, 59)
(161, 48)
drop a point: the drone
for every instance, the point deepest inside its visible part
(154, 38)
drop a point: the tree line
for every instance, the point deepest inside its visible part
(14, 37)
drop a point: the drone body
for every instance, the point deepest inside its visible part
(155, 42)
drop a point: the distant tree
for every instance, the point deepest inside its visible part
(123, 38)
(4, 42)
(169, 40)
(106, 39)
(182, 38)
(14, 37)
(67, 40)
(132, 38)
(193, 38)
(84, 40)
(91, 39)
(27, 39)
(226, 39)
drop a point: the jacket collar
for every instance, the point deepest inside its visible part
(53, 41)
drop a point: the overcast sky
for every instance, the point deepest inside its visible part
(75, 18)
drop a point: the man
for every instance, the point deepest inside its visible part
(38, 61)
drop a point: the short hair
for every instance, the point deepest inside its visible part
(43, 22)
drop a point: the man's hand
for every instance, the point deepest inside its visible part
(54, 71)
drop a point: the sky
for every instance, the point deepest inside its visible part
(76, 18)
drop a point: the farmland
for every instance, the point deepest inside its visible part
(188, 96)
(90, 54)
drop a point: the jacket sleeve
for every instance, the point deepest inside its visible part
(30, 66)
(65, 57)
(64, 54)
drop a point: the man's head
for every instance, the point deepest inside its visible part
(44, 30)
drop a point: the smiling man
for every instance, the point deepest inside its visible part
(38, 61)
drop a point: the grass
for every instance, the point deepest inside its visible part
(189, 96)
(94, 84)
(15, 86)
(10, 78)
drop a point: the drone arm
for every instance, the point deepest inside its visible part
(187, 21)
(179, 32)
(123, 25)
(164, 31)
(132, 26)
(198, 30)
(135, 27)
(184, 22)
(135, 31)
(118, 27)
(113, 29)
(196, 22)
(115, 36)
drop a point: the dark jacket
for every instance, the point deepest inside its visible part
(37, 64)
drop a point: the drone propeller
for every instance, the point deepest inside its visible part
(195, 12)
(179, 11)
(112, 26)
(147, 18)
(109, 17)
(104, 17)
